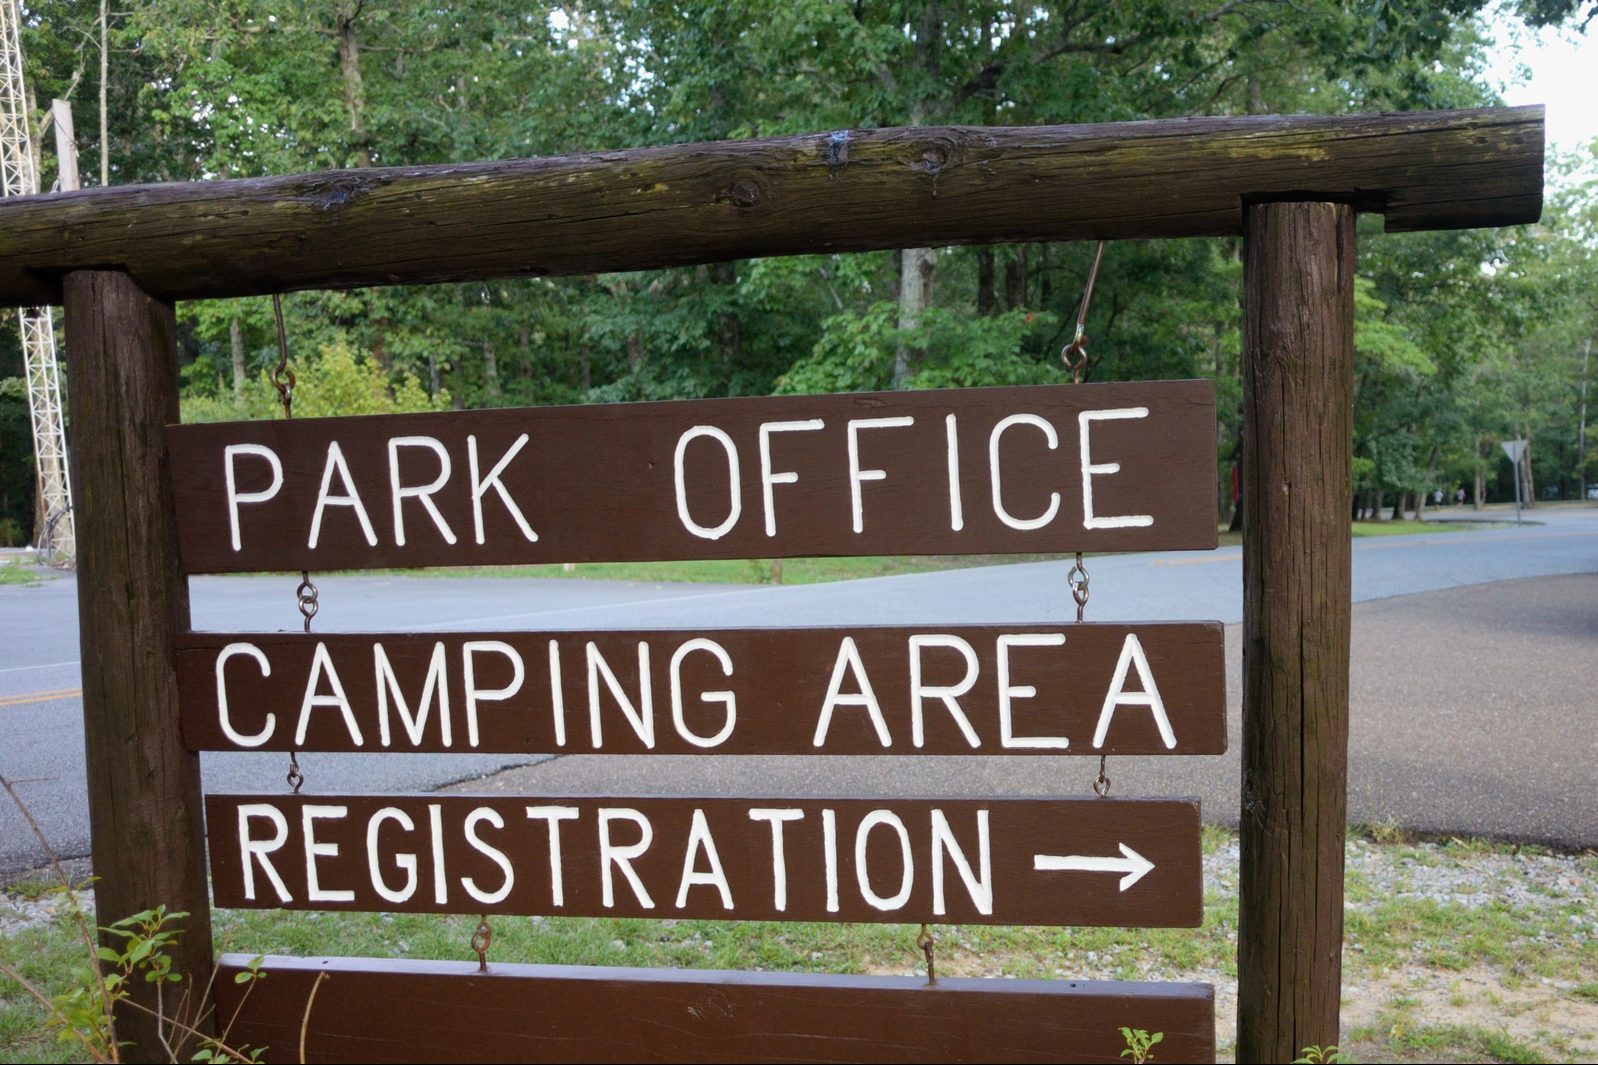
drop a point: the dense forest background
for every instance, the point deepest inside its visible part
(1464, 339)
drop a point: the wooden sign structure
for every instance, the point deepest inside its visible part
(1004, 470)
(268, 494)
(1088, 861)
(1289, 186)
(543, 1013)
(1003, 689)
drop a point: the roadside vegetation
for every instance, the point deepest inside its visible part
(1464, 338)
(1454, 950)
(823, 570)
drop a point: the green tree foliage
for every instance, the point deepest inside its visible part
(334, 381)
(1464, 338)
(16, 462)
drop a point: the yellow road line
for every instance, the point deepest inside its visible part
(40, 697)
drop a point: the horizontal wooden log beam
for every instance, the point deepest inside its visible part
(846, 191)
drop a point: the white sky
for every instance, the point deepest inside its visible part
(1559, 69)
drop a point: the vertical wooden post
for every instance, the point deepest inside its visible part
(144, 787)
(1298, 357)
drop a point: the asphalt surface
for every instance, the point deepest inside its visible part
(1473, 711)
(1473, 702)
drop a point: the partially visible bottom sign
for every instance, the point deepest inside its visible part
(368, 1010)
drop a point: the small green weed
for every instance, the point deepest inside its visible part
(1140, 1044)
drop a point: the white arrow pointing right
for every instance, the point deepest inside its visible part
(1134, 865)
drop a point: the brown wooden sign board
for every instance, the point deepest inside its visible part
(369, 1010)
(1104, 467)
(965, 689)
(1089, 861)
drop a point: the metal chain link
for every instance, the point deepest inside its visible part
(306, 594)
(1077, 578)
(1101, 783)
(1075, 358)
(925, 941)
(481, 938)
(283, 380)
(1075, 354)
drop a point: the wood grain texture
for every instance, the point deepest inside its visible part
(368, 1010)
(363, 853)
(779, 681)
(1298, 315)
(601, 482)
(144, 786)
(846, 191)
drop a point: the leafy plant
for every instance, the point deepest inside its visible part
(1140, 1044)
(1319, 1055)
(85, 1014)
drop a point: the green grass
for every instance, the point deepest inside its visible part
(824, 570)
(46, 958)
(1384, 934)
(1460, 1042)
(17, 573)
(1409, 528)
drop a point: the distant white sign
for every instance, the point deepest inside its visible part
(1514, 449)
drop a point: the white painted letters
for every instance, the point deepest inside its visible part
(767, 477)
(725, 698)
(474, 694)
(1090, 468)
(481, 485)
(349, 498)
(422, 493)
(735, 504)
(1008, 692)
(221, 695)
(856, 474)
(612, 855)
(234, 496)
(1132, 656)
(1053, 440)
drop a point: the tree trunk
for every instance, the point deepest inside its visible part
(1581, 429)
(729, 326)
(349, 63)
(435, 379)
(1528, 484)
(236, 342)
(584, 357)
(1015, 286)
(490, 370)
(986, 302)
(105, 73)
(1479, 490)
(917, 270)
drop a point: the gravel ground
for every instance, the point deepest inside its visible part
(1400, 990)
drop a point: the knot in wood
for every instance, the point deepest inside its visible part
(744, 193)
(342, 188)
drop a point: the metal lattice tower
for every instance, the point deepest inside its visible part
(19, 176)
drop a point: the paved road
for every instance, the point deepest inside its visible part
(1433, 677)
